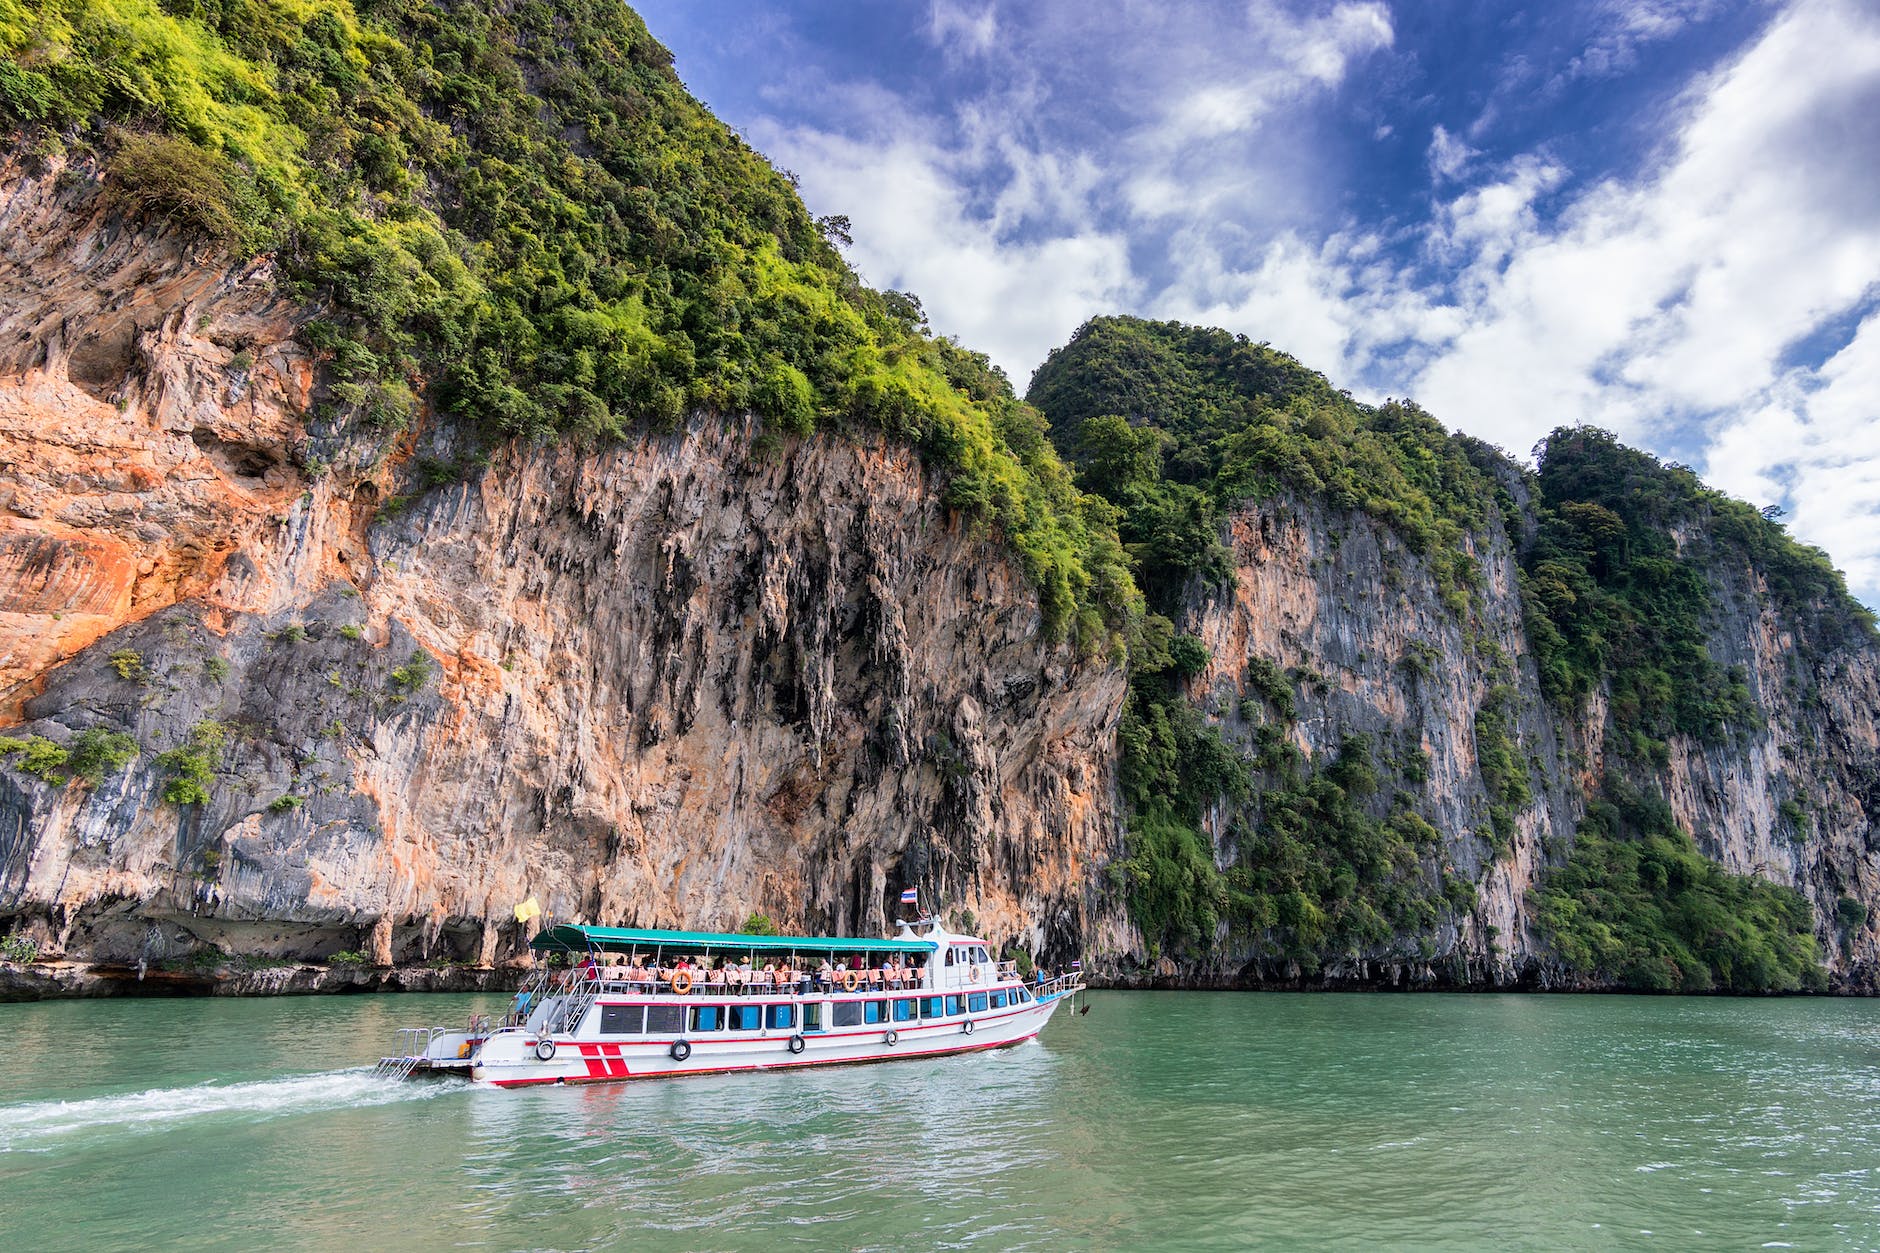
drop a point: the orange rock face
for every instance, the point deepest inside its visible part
(149, 398)
(660, 683)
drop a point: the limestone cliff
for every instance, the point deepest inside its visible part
(1335, 599)
(670, 681)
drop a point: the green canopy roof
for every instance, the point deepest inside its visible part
(568, 936)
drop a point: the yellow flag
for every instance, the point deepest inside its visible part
(527, 910)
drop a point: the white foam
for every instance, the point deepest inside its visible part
(39, 1124)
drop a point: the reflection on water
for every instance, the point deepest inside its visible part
(1158, 1121)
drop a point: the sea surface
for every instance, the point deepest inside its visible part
(1155, 1121)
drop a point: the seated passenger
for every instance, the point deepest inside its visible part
(826, 975)
(717, 976)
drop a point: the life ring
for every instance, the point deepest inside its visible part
(850, 980)
(680, 1050)
(681, 982)
(972, 975)
(797, 1044)
(545, 1049)
(967, 1026)
(891, 1038)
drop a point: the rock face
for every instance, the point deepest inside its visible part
(1337, 600)
(671, 682)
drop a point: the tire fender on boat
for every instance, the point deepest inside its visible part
(967, 1026)
(680, 1050)
(545, 1049)
(891, 1037)
(797, 1044)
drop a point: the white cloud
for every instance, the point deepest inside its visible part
(961, 31)
(1623, 27)
(1448, 155)
(1815, 443)
(1674, 298)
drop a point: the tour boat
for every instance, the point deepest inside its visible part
(595, 1010)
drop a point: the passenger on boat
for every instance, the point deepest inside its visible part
(717, 976)
(826, 976)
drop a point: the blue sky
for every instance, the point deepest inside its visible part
(1660, 216)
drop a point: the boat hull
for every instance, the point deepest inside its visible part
(509, 1057)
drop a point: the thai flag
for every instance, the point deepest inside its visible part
(910, 897)
(1077, 965)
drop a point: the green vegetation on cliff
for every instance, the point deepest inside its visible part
(1636, 904)
(517, 215)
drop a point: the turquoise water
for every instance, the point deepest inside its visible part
(1158, 1120)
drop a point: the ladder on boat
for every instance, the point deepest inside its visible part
(414, 1050)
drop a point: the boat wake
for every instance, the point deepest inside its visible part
(44, 1124)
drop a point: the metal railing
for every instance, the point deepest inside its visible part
(1066, 984)
(414, 1047)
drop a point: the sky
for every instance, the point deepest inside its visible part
(1661, 217)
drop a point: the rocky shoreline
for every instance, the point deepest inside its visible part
(64, 980)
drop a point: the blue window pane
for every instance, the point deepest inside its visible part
(782, 1015)
(931, 1007)
(976, 1002)
(998, 1000)
(871, 1011)
(953, 1004)
(745, 1017)
(904, 1010)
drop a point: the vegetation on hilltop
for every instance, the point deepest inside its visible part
(1617, 589)
(517, 214)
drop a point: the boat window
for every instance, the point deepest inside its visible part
(1022, 994)
(780, 1015)
(976, 1002)
(953, 1005)
(904, 1009)
(812, 1016)
(708, 1018)
(745, 1017)
(949, 957)
(847, 1013)
(665, 1019)
(998, 1000)
(623, 1019)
